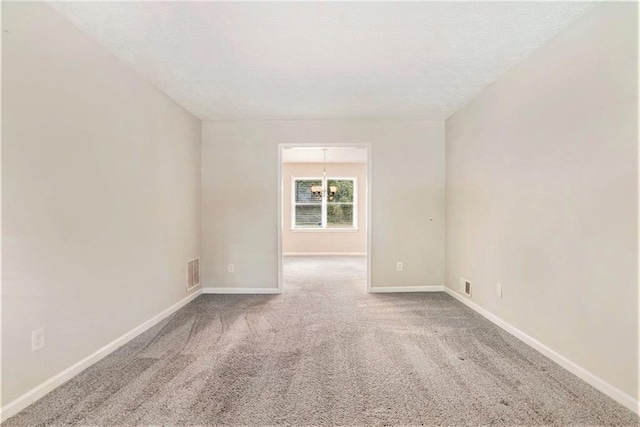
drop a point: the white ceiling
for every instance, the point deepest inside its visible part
(321, 60)
(317, 155)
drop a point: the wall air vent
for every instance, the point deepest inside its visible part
(193, 273)
(465, 286)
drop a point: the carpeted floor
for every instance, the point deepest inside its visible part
(325, 353)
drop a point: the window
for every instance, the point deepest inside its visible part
(321, 204)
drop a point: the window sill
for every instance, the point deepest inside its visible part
(325, 230)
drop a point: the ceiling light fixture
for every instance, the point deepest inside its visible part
(319, 190)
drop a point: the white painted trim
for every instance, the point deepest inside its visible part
(280, 223)
(324, 203)
(324, 254)
(597, 382)
(292, 203)
(390, 289)
(368, 224)
(211, 290)
(324, 230)
(18, 404)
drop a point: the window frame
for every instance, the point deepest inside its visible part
(323, 227)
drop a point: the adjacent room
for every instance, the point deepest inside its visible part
(324, 221)
(320, 213)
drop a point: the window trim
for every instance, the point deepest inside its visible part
(324, 228)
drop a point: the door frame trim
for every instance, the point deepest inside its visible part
(368, 192)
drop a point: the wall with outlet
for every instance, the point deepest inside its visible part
(100, 192)
(542, 195)
(239, 197)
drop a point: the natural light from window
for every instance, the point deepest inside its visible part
(321, 204)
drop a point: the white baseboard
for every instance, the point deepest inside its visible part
(18, 404)
(324, 254)
(389, 289)
(210, 290)
(613, 392)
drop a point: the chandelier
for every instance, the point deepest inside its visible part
(319, 190)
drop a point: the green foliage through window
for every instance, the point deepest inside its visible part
(328, 204)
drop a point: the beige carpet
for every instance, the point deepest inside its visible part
(325, 353)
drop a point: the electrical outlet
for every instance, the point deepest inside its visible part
(231, 268)
(399, 266)
(499, 289)
(37, 339)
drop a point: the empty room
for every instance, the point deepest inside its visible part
(320, 213)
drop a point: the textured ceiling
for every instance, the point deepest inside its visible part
(321, 60)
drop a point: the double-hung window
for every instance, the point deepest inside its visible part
(324, 203)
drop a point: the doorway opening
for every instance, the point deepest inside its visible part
(324, 217)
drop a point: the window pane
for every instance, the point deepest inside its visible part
(308, 215)
(339, 215)
(304, 193)
(343, 190)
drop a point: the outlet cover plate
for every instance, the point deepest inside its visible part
(37, 339)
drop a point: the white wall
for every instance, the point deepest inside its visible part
(101, 190)
(542, 195)
(329, 240)
(239, 199)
